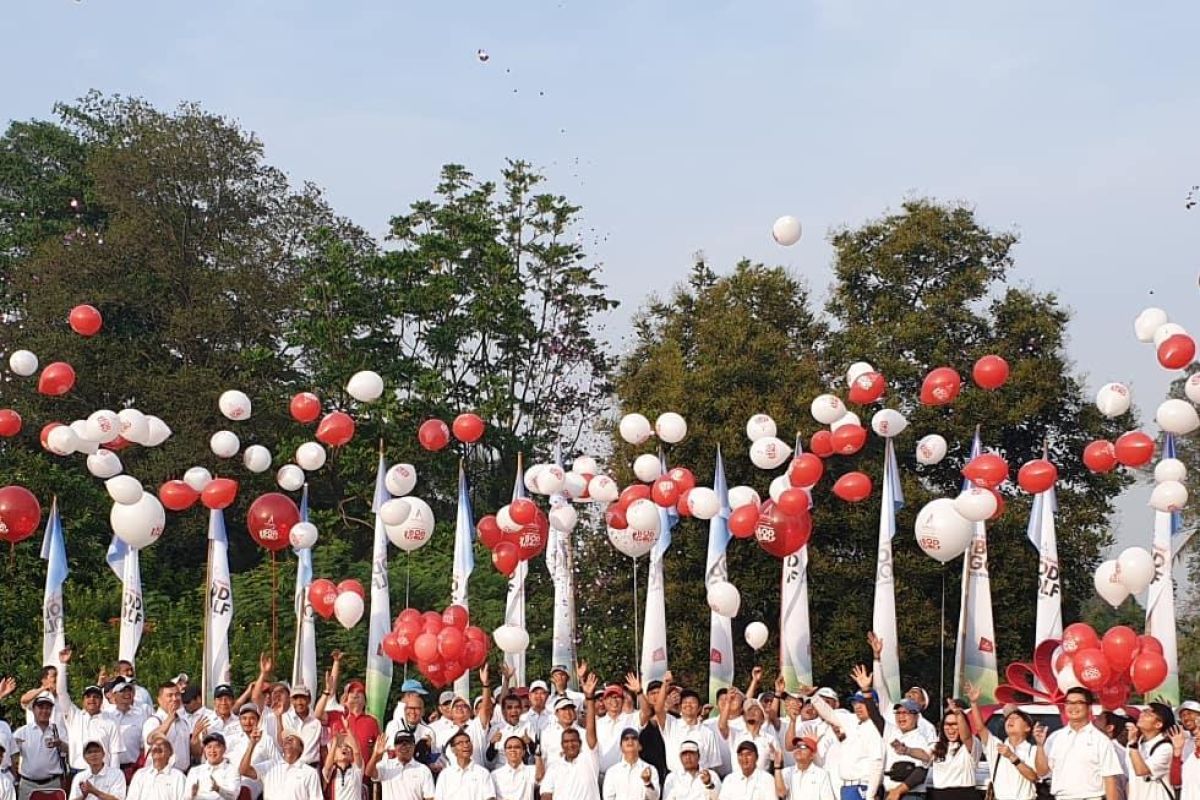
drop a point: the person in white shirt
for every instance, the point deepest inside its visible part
(631, 778)
(400, 776)
(560, 678)
(806, 780)
(747, 781)
(916, 694)
(511, 724)
(1150, 753)
(98, 779)
(159, 779)
(514, 779)
(343, 770)
(1188, 750)
(129, 719)
(223, 719)
(40, 755)
(215, 778)
(1011, 762)
(575, 774)
(8, 790)
(540, 715)
(860, 751)
(953, 759)
(407, 717)
(300, 720)
(289, 779)
(266, 754)
(906, 752)
(463, 778)
(1079, 757)
(686, 727)
(565, 717)
(475, 727)
(141, 697)
(691, 782)
(89, 724)
(829, 747)
(167, 722)
(610, 724)
(444, 727)
(766, 742)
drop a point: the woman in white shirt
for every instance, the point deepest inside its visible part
(1011, 767)
(343, 774)
(952, 770)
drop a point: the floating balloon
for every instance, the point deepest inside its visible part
(1177, 351)
(703, 502)
(827, 409)
(257, 458)
(1037, 476)
(235, 405)
(1120, 645)
(760, 425)
(62, 441)
(1169, 496)
(336, 429)
(1177, 416)
(853, 487)
(395, 511)
(133, 426)
(976, 504)
(305, 407)
(778, 533)
(769, 452)
(10, 422)
(633, 542)
(468, 428)
(821, 444)
(849, 439)
(104, 464)
(289, 477)
(990, 372)
(575, 484)
(177, 495)
(943, 533)
(931, 449)
(1166, 331)
(940, 387)
(401, 479)
(564, 518)
(85, 320)
(988, 470)
(270, 520)
(365, 386)
(779, 485)
(124, 489)
(224, 444)
(1148, 671)
(1170, 469)
(433, 435)
(1150, 644)
(585, 465)
(302, 536)
(1079, 636)
(1137, 568)
(1113, 399)
(157, 431)
(756, 635)
(23, 363)
(1092, 668)
(888, 423)
(743, 520)
(322, 593)
(1107, 580)
(603, 489)
(806, 470)
(647, 467)
(505, 557)
(1191, 387)
(550, 480)
(786, 230)
(635, 428)
(511, 638)
(219, 494)
(1134, 449)
(867, 388)
(856, 369)
(670, 427)
(416, 529)
(20, 513)
(743, 496)
(56, 379)
(103, 426)
(311, 456)
(138, 524)
(1147, 322)
(353, 586)
(849, 419)
(1100, 456)
(197, 478)
(348, 608)
(724, 598)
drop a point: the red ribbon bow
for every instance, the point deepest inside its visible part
(1023, 678)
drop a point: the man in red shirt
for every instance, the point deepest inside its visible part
(352, 715)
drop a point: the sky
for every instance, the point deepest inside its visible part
(683, 127)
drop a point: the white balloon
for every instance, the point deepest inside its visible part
(563, 518)
(575, 485)
(348, 608)
(1148, 322)
(530, 477)
(1177, 416)
(849, 418)
(724, 598)
(139, 524)
(82, 443)
(1066, 676)
(1113, 399)
(257, 458)
(302, 536)
(827, 408)
(743, 495)
(756, 635)
(758, 426)
(786, 230)
(976, 504)
(1107, 581)
(133, 425)
(311, 457)
(505, 521)
(23, 363)
(62, 441)
(634, 542)
(124, 489)
(941, 531)
(1191, 387)
(647, 467)
(703, 502)
(400, 480)
(197, 478)
(158, 431)
(585, 465)
(289, 477)
(855, 370)
(931, 449)
(511, 638)
(1137, 568)
(549, 480)
(1166, 331)
(234, 404)
(888, 422)
(603, 489)
(643, 515)
(104, 464)
(416, 529)
(769, 452)
(670, 427)
(635, 428)
(1170, 469)
(365, 386)
(224, 444)
(779, 485)
(103, 426)
(1169, 496)
(395, 511)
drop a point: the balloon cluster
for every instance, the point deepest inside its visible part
(517, 532)
(444, 646)
(344, 600)
(1111, 666)
(1128, 574)
(408, 521)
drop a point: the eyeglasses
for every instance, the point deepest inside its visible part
(1078, 703)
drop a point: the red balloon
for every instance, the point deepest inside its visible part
(987, 470)
(821, 444)
(10, 422)
(407, 616)
(270, 520)
(614, 517)
(1148, 671)
(806, 470)
(455, 617)
(781, 534)
(305, 407)
(743, 521)
(220, 493)
(532, 538)
(867, 388)
(940, 387)
(433, 435)
(489, 531)
(1100, 456)
(1079, 636)
(1149, 644)
(1177, 351)
(1134, 449)
(467, 428)
(683, 477)
(351, 585)
(1113, 695)
(118, 444)
(85, 320)
(681, 508)
(794, 501)
(425, 647)
(336, 428)
(505, 557)
(474, 632)
(849, 439)
(1120, 645)
(177, 496)
(322, 594)
(474, 654)
(665, 492)
(433, 671)
(49, 426)
(397, 647)
(452, 670)
(450, 643)
(56, 379)
(999, 512)
(522, 511)
(431, 622)
(634, 491)
(20, 514)
(853, 487)
(1037, 476)
(990, 372)
(1092, 668)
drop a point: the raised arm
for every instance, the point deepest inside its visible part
(259, 691)
(246, 768)
(755, 679)
(976, 716)
(64, 697)
(1040, 760)
(331, 757)
(660, 705)
(331, 685)
(486, 706)
(372, 768)
(634, 684)
(864, 681)
(880, 682)
(589, 704)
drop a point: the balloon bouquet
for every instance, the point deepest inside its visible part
(444, 646)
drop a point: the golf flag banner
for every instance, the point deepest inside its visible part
(514, 607)
(464, 562)
(558, 564)
(379, 666)
(975, 653)
(654, 632)
(304, 659)
(795, 636)
(124, 562)
(54, 553)
(720, 632)
(883, 619)
(1160, 602)
(219, 608)
(1049, 592)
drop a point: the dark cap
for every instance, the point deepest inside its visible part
(629, 733)
(190, 694)
(653, 686)
(748, 745)
(224, 690)
(214, 737)
(403, 736)
(93, 689)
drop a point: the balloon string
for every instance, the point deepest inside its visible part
(636, 664)
(407, 581)
(274, 607)
(942, 659)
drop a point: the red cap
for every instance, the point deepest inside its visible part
(356, 686)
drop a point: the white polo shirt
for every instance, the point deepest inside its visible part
(764, 740)
(551, 742)
(213, 782)
(608, 736)
(82, 728)
(1191, 774)
(539, 720)
(38, 760)
(574, 780)
(1158, 760)
(472, 782)
(109, 780)
(345, 784)
(129, 730)
(623, 781)
(295, 781)
(758, 785)
(809, 784)
(400, 781)
(679, 731)
(685, 785)
(151, 784)
(956, 770)
(309, 730)
(914, 740)
(1080, 760)
(180, 737)
(7, 742)
(1006, 779)
(7, 790)
(266, 754)
(514, 783)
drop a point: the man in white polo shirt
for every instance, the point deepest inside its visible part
(463, 778)
(400, 776)
(98, 779)
(747, 781)
(41, 751)
(691, 782)
(1079, 757)
(631, 778)
(575, 774)
(289, 779)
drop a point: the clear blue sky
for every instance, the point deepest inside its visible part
(685, 126)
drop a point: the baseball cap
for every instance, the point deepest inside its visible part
(1190, 705)
(629, 732)
(91, 742)
(214, 737)
(403, 736)
(909, 705)
(249, 708)
(300, 690)
(412, 685)
(192, 692)
(688, 746)
(356, 686)
(559, 668)
(533, 687)
(612, 690)
(766, 697)
(805, 741)
(459, 699)
(563, 702)
(43, 698)
(224, 690)
(859, 697)
(93, 689)
(520, 691)
(121, 684)
(924, 694)
(827, 693)
(180, 678)
(445, 698)
(748, 745)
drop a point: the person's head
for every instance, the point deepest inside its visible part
(460, 712)
(770, 701)
(631, 748)
(689, 755)
(514, 751)
(122, 695)
(735, 701)
(125, 669)
(214, 748)
(414, 709)
(571, 744)
(689, 705)
(906, 713)
(355, 697)
(793, 705)
(93, 698)
(280, 695)
(1018, 725)
(405, 746)
(1157, 718)
(510, 709)
(1078, 706)
(858, 704)
(808, 711)
(564, 711)
(49, 675)
(460, 745)
(301, 700)
(918, 696)
(948, 735)
(168, 696)
(804, 750)
(1111, 724)
(829, 696)
(293, 747)
(223, 700)
(160, 751)
(559, 676)
(614, 700)
(752, 712)
(445, 703)
(343, 755)
(191, 699)
(747, 757)
(248, 716)
(628, 701)
(1189, 716)
(93, 754)
(43, 707)
(538, 692)
(674, 695)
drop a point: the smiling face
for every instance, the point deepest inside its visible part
(93, 754)
(514, 751)
(950, 728)
(214, 752)
(905, 720)
(690, 760)
(300, 705)
(803, 756)
(689, 707)
(460, 713)
(512, 710)
(160, 752)
(571, 744)
(747, 760)
(91, 702)
(1079, 709)
(1190, 720)
(565, 716)
(223, 705)
(1016, 728)
(462, 748)
(248, 720)
(293, 747)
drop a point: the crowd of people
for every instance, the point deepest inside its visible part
(619, 740)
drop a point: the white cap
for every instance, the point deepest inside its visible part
(1190, 705)
(533, 687)
(43, 697)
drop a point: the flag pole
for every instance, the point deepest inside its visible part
(207, 604)
(636, 655)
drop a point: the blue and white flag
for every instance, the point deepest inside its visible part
(720, 631)
(514, 607)
(379, 665)
(464, 562)
(654, 634)
(795, 635)
(883, 618)
(219, 609)
(975, 653)
(304, 659)
(1160, 601)
(54, 553)
(125, 564)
